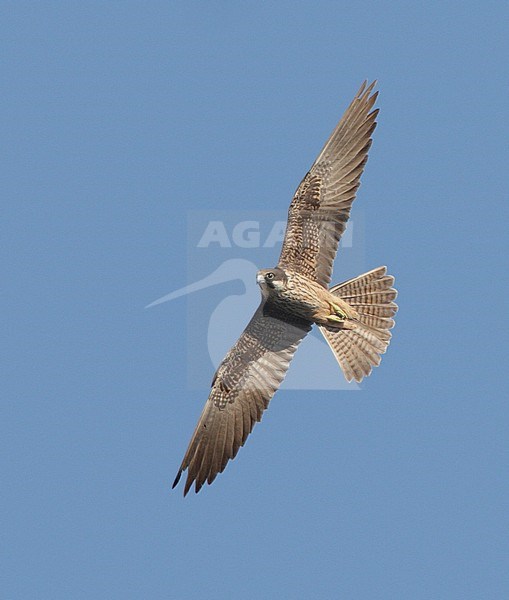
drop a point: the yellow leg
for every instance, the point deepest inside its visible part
(335, 319)
(338, 311)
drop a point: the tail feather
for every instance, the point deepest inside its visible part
(373, 298)
(358, 349)
(377, 310)
(377, 322)
(372, 286)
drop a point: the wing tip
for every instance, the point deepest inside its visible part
(362, 88)
(189, 483)
(365, 89)
(371, 86)
(177, 479)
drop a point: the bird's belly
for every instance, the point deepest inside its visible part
(301, 304)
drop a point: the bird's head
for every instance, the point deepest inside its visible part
(271, 280)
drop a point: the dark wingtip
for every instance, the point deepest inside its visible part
(177, 479)
(189, 483)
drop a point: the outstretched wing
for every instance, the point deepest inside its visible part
(321, 206)
(242, 387)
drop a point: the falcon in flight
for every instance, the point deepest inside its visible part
(354, 316)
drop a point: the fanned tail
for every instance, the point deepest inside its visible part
(358, 349)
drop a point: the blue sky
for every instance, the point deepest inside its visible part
(118, 120)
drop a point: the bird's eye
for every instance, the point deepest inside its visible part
(270, 276)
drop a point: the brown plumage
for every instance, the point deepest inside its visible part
(354, 316)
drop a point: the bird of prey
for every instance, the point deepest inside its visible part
(354, 316)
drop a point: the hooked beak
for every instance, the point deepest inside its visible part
(260, 278)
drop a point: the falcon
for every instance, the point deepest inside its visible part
(355, 316)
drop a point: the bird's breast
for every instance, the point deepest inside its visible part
(300, 297)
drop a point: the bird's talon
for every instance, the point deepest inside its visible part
(334, 319)
(338, 311)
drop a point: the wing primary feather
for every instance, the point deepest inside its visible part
(177, 479)
(321, 206)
